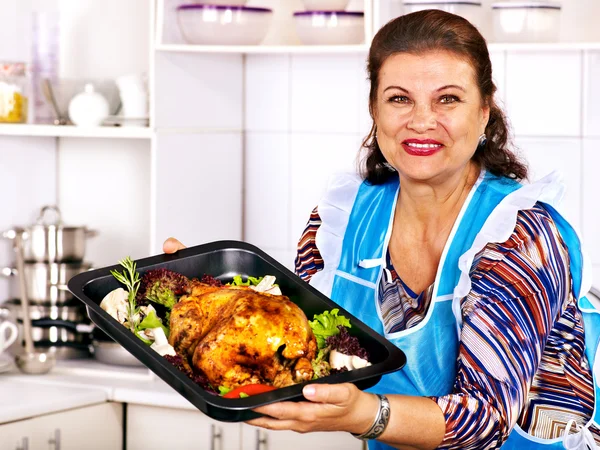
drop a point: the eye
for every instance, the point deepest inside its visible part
(398, 99)
(449, 99)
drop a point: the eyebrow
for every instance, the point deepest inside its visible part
(448, 86)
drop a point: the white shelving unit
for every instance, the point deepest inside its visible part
(73, 131)
(263, 49)
(195, 143)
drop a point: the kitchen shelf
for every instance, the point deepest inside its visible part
(543, 46)
(361, 48)
(73, 131)
(263, 49)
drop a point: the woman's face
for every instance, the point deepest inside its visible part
(429, 114)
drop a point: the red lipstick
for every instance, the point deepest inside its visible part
(421, 147)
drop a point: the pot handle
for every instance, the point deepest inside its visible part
(91, 233)
(43, 213)
(11, 234)
(8, 272)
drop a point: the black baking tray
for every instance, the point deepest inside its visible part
(223, 260)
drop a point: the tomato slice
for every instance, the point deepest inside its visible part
(249, 389)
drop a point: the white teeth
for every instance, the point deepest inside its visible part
(415, 145)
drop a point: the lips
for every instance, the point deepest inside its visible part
(421, 147)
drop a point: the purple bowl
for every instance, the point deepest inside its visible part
(223, 7)
(339, 13)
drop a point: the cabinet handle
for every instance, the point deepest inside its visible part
(216, 434)
(55, 441)
(260, 441)
(24, 444)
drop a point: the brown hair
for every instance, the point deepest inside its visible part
(434, 30)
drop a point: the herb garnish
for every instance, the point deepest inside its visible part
(131, 279)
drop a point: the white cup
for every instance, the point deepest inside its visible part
(7, 339)
(133, 91)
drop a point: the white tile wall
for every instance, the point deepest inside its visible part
(364, 86)
(498, 59)
(127, 44)
(267, 81)
(217, 81)
(591, 202)
(267, 187)
(285, 257)
(314, 159)
(324, 91)
(543, 92)
(28, 182)
(591, 98)
(543, 155)
(199, 187)
(105, 184)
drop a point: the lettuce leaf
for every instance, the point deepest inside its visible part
(239, 281)
(152, 321)
(326, 325)
(224, 390)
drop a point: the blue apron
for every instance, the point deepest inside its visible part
(352, 274)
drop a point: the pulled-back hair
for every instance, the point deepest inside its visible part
(436, 30)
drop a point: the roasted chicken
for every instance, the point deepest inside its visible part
(237, 336)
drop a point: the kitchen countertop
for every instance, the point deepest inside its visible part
(78, 383)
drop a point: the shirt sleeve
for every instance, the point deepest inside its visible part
(519, 288)
(308, 258)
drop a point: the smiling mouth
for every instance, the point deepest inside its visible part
(421, 149)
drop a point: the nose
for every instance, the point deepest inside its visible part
(422, 119)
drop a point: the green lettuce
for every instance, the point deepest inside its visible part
(224, 390)
(239, 281)
(326, 324)
(152, 321)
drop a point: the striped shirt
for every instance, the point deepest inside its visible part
(521, 351)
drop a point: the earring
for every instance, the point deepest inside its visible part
(482, 140)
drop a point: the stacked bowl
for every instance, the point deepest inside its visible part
(53, 253)
(223, 22)
(326, 22)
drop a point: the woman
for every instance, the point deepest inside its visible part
(476, 277)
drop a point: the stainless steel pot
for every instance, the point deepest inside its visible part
(57, 329)
(49, 240)
(71, 312)
(46, 283)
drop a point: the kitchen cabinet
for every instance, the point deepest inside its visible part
(258, 439)
(154, 428)
(98, 427)
(16, 435)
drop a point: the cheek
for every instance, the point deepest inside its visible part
(458, 126)
(390, 121)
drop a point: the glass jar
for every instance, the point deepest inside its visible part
(14, 92)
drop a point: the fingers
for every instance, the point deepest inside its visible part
(172, 245)
(275, 424)
(334, 394)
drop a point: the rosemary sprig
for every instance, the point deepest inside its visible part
(131, 279)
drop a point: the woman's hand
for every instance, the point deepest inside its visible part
(330, 407)
(172, 245)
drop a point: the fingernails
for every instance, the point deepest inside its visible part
(309, 391)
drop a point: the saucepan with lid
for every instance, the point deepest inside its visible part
(46, 283)
(49, 240)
